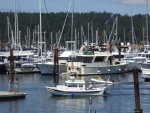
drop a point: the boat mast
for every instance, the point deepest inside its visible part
(15, 21)
(72, 23)
(40, 28)
(147, 21)
(132, 30)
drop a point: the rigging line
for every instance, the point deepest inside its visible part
(45, 6)
(19, 5)
(64, 24)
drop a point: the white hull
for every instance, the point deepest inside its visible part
(26, 70)
(47, 69)
(145, 73)
(146, 70)
(101, 81)
(60, 92)
(131, 66)
(99, 70)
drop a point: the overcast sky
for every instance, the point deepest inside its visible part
(113, 6)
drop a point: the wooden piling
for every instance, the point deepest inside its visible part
(56, 66)
(12, 64)
(136, 91)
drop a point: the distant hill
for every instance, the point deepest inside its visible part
(53, 23)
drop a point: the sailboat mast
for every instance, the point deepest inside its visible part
(40, 27)
(15, 21)
(147, 21)
(72, 22)
(132, 30)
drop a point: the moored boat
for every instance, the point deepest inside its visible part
(102, 81)
(75, 87)
(94, 60)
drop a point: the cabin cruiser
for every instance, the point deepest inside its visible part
(94, 60)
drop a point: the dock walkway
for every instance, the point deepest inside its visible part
(4, 95)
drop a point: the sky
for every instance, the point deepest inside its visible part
(122, 7)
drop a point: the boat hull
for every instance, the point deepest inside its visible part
(56, 92)
(3, 68)
(131, 66)
(101, 81)
(145, 73)
(96, 70)
(47, 69)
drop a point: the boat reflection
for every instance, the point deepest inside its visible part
(75, 104)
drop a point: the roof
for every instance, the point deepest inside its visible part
(75, 81)
(66, 53)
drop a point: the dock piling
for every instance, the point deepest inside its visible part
(11, 65)
(56, 66)
(136, 91)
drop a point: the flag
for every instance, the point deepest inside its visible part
(109, 18)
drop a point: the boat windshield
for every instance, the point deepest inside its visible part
(83, 59)
(99, 59)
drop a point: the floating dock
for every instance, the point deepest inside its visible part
(4, 95)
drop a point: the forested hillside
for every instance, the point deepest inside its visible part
(53, 22)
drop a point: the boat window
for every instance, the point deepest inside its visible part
(87, 60)
(74, 85)
(80, 85)
(103, 49)
(62, 58)
(99, 59)
(69, 85)
(87, 52)
(117, 56)
(71, 59)
(147, 66)
(84, 59)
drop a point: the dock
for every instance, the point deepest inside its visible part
(4, 95)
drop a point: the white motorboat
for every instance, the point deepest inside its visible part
(102, 81)
(77, 88)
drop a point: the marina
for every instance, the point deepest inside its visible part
(121, 99)
(96, 62)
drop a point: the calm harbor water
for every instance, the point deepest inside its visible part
(38, 100)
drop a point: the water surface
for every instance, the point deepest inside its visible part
(38, 100)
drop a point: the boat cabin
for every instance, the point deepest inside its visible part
(88, 59)
(135, 60)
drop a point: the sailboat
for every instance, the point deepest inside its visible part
(46, 68)
(20, 56)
